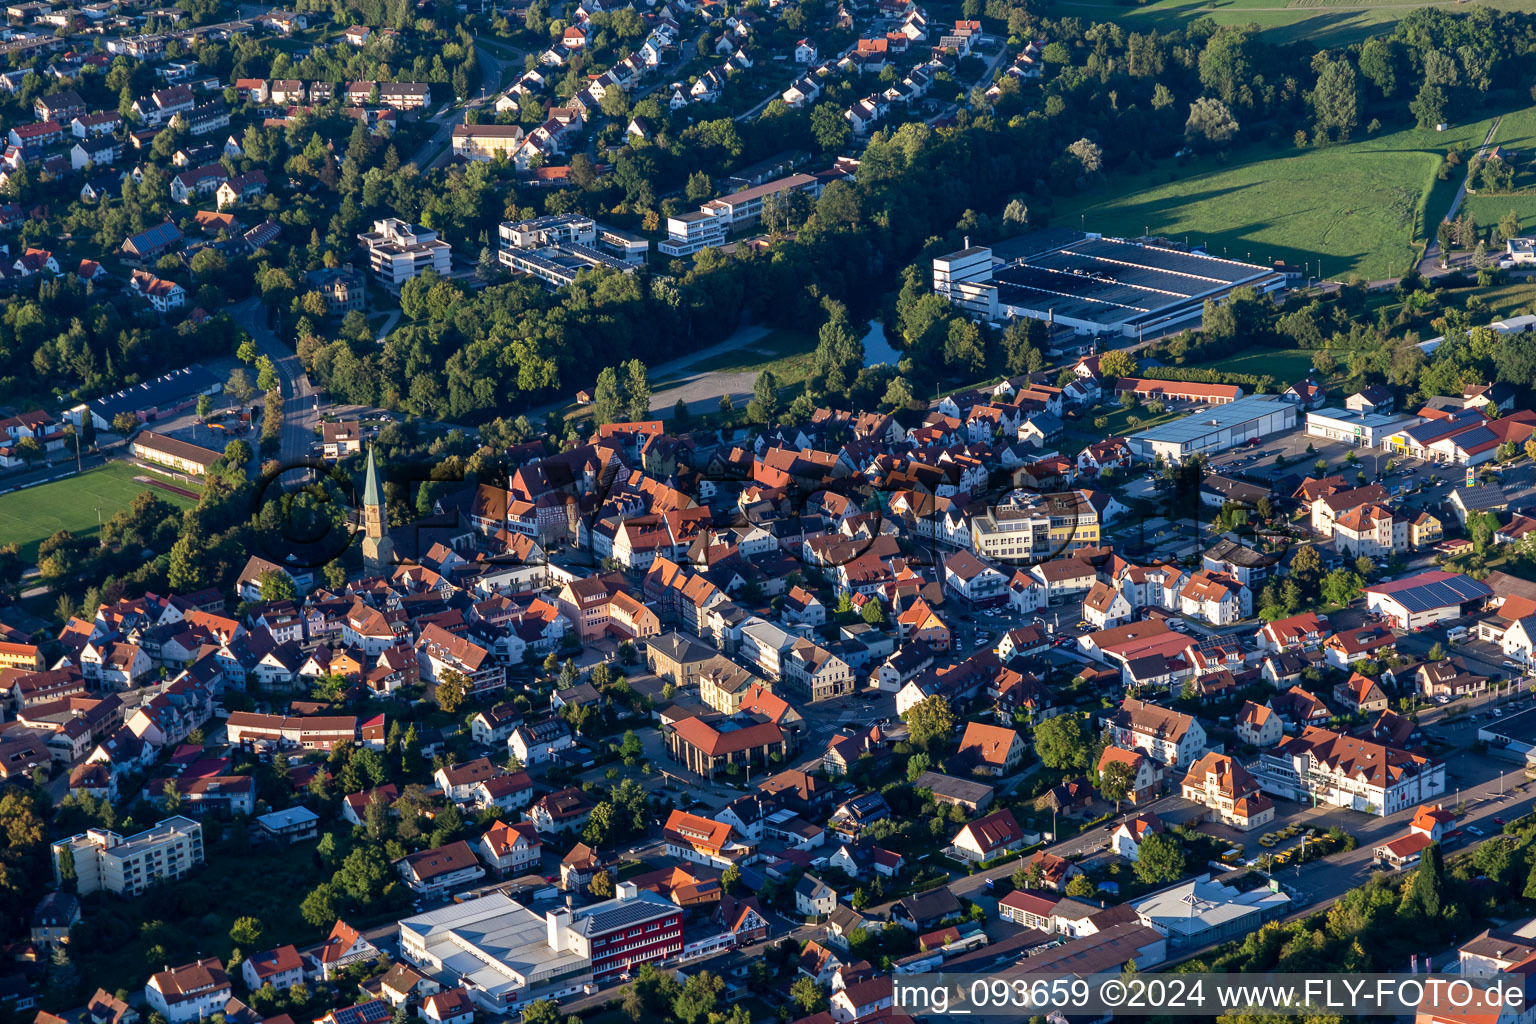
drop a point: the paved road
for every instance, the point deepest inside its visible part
(438, 149)
(1429, 266)
(300, 418)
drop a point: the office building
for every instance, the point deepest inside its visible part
(398, 251)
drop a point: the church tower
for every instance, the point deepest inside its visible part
(378, 549)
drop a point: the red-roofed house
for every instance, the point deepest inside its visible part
(1127, 838)
(988, 837)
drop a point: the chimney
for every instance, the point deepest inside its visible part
(555, 922)
(627, 891)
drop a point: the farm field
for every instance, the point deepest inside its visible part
(31, 516)
(1360, 206)
(1320, 21)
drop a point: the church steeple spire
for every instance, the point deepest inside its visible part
(371, 483)
(378, 549)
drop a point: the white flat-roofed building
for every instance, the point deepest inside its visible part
(1216, 429)
(506, 956)
(399, 251)
(958, 275)
(623, 245)
(687, 233)
(1201, 911)
(554, 229)
(498, 950)
(128, 865)
(743, 209)
(1362, 429)
(1093, 284)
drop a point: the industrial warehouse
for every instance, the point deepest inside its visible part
(1092, 284)
(1215, 429)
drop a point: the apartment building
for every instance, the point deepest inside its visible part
(482, 142)
(399, 251)
(1161, 733)
(129, 865)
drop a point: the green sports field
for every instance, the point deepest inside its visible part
(31, 516)
(1324, 22)
(1361, 207)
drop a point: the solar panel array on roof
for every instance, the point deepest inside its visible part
(619, 913)
(1474, 437)
(1445, 589)
(1165, 260)
(1114, 282)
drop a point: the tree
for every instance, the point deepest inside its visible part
(1429, 105)
(1087, 154)
(600, 827)
(1336, 99)
(698, 188)
(1378, 63)
(1159, 859)
(1426, 895)
(829, 127)
(1341, 587)
(1016, 214)
(637, 390)
(1210, 120)
(239, 387)
(607, 397)
(931, 722)
(601, 885)
(451, 691)
(363, 875)
(125, 423)
(839, 354)
(1117, 362)
(765, 398)
(917, 764)
(1060, 742)
(542, 1011)
(808, 996)
(898, 395)
(873, 613)
(322, 906)
(277, 585)
(246, 932)
(204, 406)
(1081, 887)
(1115, 782)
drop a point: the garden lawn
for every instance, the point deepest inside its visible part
(1359, 206)
(31, 516)
(1082, 433)
(1283, 364)
(1324, 22)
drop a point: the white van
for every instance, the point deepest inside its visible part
(1456, 635)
